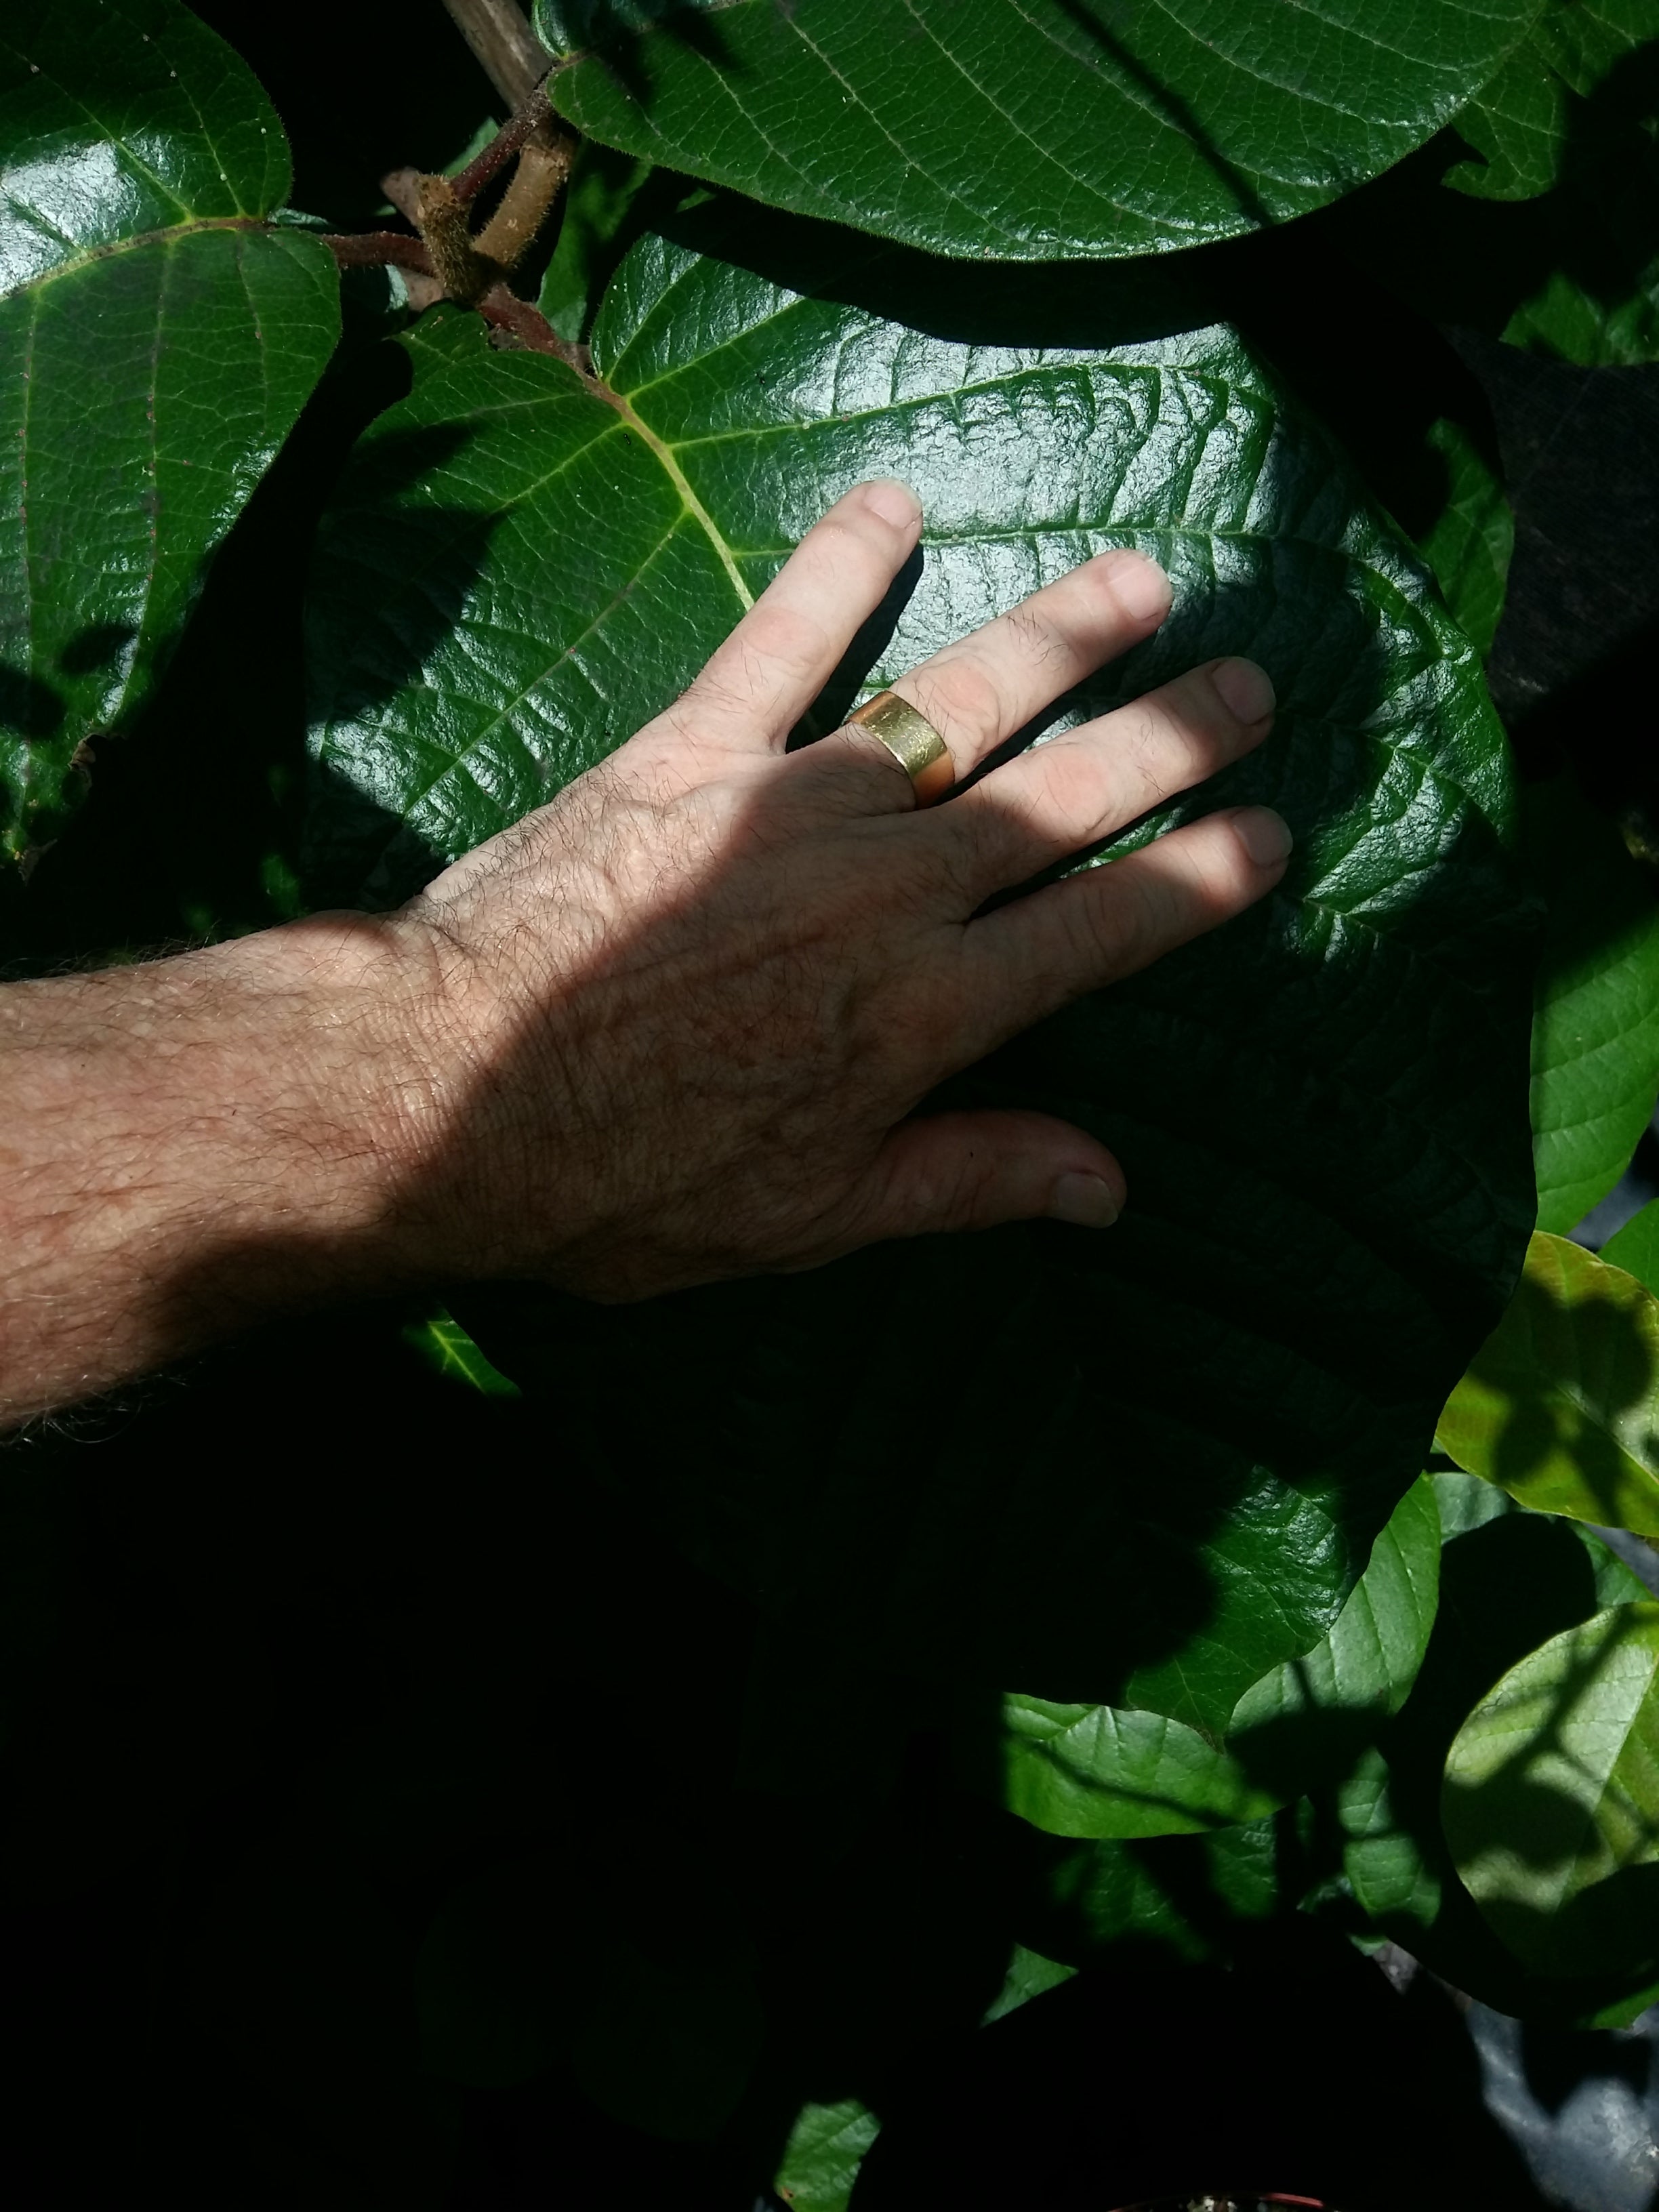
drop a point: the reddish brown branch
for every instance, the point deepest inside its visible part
(376, 249)
(531, 328)
(528, 121)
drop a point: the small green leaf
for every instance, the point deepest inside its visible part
(1635, 1248)
(1551, 1804)
(1560, 1406)
(1473, 536)
(157, 341)
(1030, 1975)
(1311, 1714)
(1510, 1580)
(446, 1346)
(1596, 1011)
(820, 2159)
(1522, 121)
(1032, 132)
(1100, 1770)
(1518, 123)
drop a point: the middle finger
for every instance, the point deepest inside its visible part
(983, 689)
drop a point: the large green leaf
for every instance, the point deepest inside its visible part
(1025, 129)
(1595, 1022)
(157, 340)
(1171, 1473)
(1551, 1804)
(1560, 1406)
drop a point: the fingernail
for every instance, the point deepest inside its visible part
(1142, 589)
(1084, 1199)
(893, 501)
(1264, 836)
(1246, 689)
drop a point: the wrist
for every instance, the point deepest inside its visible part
(191, 1145)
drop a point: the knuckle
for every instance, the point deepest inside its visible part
(958, 692)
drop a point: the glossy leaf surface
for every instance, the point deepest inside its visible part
(1220, 1404)
(1596, 1021)
(1551, 1804)
(1560, 1406)
(157, 341)
(1026, 131)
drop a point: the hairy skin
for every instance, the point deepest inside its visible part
(672, 1027)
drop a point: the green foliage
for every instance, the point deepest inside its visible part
(157, 341)
(821, 2157)
(1560, 1406)
(1048, 131)
(1635, 1248)
(1521, 123)
(1469, 543)
(1100, 1772)
(731, 1839)
(639, 531)
(1596, 1020)
(1510, 1581)
(1551, 1799)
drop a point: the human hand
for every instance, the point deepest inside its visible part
(687, 1010)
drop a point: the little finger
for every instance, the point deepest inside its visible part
(1104, 923)
(1071, 793)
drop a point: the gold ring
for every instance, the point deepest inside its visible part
(911, 738)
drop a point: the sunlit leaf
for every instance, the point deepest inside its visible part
(1551, 1804)
(1560, 1406)
(1027, 131)
(157, 340)
(1595, 1022)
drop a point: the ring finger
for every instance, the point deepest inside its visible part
(983, 688)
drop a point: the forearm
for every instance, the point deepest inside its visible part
(189, 1144)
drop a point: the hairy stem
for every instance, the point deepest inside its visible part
(537, 183)
(506, 312)
(532, 124)
(510, 55)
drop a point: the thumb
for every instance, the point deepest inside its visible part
(972, 1170)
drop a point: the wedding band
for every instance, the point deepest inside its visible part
(911, 738)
